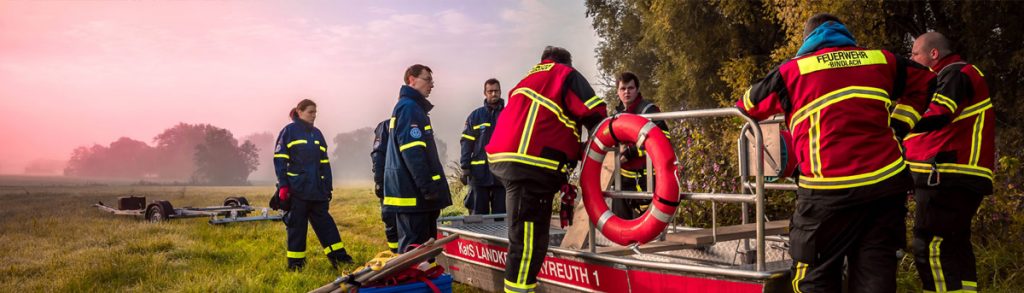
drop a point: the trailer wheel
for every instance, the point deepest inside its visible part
(233, 201)
(159, 211)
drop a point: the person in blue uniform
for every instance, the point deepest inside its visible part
(378, 155)
(486, 194)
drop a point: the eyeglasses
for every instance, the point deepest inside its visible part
(428, 80)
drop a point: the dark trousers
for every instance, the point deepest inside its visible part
(630, 208)
(314, 212)
(529, 192)
(415, 228)
(865, 235)
(942, 238)
(390, 228)
(485, 200)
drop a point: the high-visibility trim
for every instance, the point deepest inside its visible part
(935, 263)
(593, 102)
(291, 174)
(840, 59)
(296, 254)
(544, 101)
(974, 109)
(478, 162)
(979, 70)
(854, 180)
(798, 275)
(523, 159)
(323, 149)
(325, 161)
(297, 141)
(427, 127)
(392, 124)
(912, 135)
(435, 177)
(837, 96)
(747, 103)
(334, 247)
(541, 67)
(944, 101)
(485, 124)
(979, 125)
(512, 287)
(469, 137)
(400, 201)
(920, 167)
(968, 286)
(412, 144)
(524, 263)
(814, 139)
(283, 156)
(531, 120)
(906, 114)
(629, 174)
(393, 245)
(316, 142)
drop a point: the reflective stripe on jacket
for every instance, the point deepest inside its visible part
(412, 168)
(301, 161)
(477, 133)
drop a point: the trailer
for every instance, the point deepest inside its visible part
(749, 257)
(235, 209)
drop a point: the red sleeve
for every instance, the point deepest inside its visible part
(766, 97)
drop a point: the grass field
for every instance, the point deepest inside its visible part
(52, 240)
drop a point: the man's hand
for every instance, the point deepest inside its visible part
(568, 194)
(465, 177)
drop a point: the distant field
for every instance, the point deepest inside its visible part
(51, 239)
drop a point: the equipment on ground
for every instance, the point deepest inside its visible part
(235, 209)
(376, 271)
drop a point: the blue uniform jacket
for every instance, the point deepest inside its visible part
(301, 163)
(414, 179)
(378, 156)
(477, 133)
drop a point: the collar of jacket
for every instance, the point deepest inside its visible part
(946, 61)
(827, 35)
(305, 125)
(409, 92)
(496, 106)
(619, 108)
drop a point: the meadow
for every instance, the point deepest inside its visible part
(52, 240)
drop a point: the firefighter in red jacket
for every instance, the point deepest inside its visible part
(633, 161)
(535, 143)
(951, 156)
(853, 180)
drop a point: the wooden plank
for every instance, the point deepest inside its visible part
(705, 236)
(576, 234)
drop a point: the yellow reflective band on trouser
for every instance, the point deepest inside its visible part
(944, 101)
(593, 102)
(436, 177)
(798, 275)
(412, 144)
(974, 109)
(524, 159)
(469, 137)
(551, 106)
(837, 96)
(393, 245)
(854, 180)
(936, 264)
(747, 103)
(400, 201)
(531, 120)
(325, 161)
(334, 247)
(297, 141)
(283, 156)
(512, 287)
(524, 263)
(906, 114)
(291, 174)
(840, 59)
(968, 286)
(485, 124)
(920, 167)
(296, 254)
(480, 162)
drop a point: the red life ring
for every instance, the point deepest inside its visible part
(633, 129)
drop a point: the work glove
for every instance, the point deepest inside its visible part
(283, 193)
(465, 177)
(568, 195)
(378, 189)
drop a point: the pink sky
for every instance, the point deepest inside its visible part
(76, 73)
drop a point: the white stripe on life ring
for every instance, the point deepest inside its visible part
(642, 136)
(604, 218)
(661, 216)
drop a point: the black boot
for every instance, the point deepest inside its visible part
(339, 257)
(296, 264)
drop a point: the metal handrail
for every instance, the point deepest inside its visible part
(758, 198)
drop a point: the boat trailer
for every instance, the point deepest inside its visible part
(235, 209)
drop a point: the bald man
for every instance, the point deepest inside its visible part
(951, 153)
